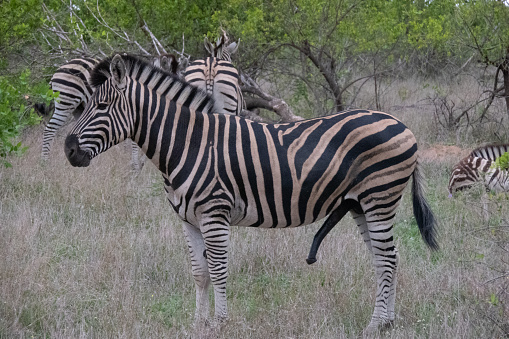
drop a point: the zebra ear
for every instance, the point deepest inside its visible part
(208, 46)
(118, 71)
(232, 48)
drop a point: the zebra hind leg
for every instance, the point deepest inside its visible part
(200, 273)
(216, 236)
(385, 260)
(378, 237)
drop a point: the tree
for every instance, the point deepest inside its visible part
(484, 29)
(329, 49)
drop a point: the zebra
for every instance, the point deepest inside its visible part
(222, 170)
(217, 76)
(71, 81)
(477, 167)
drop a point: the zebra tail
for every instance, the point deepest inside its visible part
(44, 110)
(422, 212)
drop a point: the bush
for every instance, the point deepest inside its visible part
(16, 112)
(502, 162)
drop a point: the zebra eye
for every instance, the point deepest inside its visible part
(102, 106)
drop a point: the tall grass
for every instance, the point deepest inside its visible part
(98, 253)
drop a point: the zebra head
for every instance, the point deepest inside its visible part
(467, 172)
(104, 122)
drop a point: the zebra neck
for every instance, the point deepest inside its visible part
(169, 133)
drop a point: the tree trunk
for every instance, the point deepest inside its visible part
(505, 72)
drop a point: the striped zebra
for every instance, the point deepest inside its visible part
(477, 167)
(221, 170)
(217, 76)
(71, 80)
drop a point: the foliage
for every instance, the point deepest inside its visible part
(16, 112)
(502, 162)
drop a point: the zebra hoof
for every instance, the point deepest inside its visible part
(310, 260)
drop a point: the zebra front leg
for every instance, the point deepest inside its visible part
(200, 273)
(137, 159)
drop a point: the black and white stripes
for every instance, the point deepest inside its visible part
(477, 167)
(221, 170)
(71, 81)
(220, 79)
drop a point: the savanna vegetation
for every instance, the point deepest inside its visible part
(98, 252)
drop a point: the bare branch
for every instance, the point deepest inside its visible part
(153, 38)
(278, 106)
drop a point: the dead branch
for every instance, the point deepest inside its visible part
(266, 101)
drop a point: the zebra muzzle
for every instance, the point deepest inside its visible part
(76, 156)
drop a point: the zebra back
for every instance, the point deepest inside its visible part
(491, 152)
(71, 80)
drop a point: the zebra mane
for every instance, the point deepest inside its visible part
(141, 70)
(490, 152)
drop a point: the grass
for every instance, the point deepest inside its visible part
(98, 253)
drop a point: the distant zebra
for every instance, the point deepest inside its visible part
(221, 170)
(217, 76)
(71, 80)
(477, 168)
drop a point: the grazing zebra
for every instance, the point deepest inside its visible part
(71, 80)
(218, 77)
(477, 168)
(221, 170)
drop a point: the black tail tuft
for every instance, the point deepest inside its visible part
(423, 214)
(44, 110)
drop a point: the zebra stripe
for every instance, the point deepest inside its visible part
(71, 81)
(221, 170)
(220, 79)
(476, 167)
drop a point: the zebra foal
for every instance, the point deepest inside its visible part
(221, 170)
(476, 167)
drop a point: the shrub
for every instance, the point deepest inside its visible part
(502, 162)
(16, 112)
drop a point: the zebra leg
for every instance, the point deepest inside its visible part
(137, 160)
(385, 260)
(200, 272)
(58, 119)
(217, 241)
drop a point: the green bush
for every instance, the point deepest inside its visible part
(16, 112)
(502, 162)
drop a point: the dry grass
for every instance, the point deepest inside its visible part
(98, 253)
